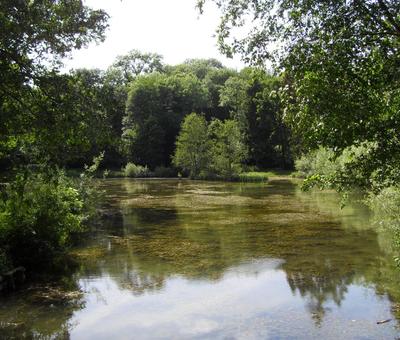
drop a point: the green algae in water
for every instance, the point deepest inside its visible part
(184, 259)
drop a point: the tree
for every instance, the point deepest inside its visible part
(252, 99)
(339, 62)
(164, 100)
(228, 148)
(199, 67)
(35, 35)
(192, 145)
(212, 75)
(136, 63)
(98, 104)
(40, 121)
(214, 82)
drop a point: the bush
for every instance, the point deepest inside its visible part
(38, 217)
(253, 177)
(344, 172)
(321, 161)
(133, 170)
(386, 208)
(165, 172)
(41, 212)
(386, 204)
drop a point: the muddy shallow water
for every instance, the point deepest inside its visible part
(209, 260)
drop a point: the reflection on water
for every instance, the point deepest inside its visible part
(182, 259)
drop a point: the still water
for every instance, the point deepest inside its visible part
(209, 260)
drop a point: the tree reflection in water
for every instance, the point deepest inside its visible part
(155, 231)
(200, 230)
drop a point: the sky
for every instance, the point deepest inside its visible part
(172, 28)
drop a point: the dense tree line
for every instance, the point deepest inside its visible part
(158, 101)
(133, 112)
(149, 106)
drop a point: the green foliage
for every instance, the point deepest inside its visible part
(387, 203)
(212, 75)
(98, 107)
(193, 146)
(41, 213)
(228, 150)
(339, 65)
(386, 208)
(127, 67)
(35, 35)
(252, 99)
(209, 150)
(133, 170)
(321, 161)
(88, 188)
(38, 216)
(156, 105)
(253, 176)
(344, 171)
(75, 117)
(200, 68)
(44, 119)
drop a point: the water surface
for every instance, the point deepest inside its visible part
(208, 260)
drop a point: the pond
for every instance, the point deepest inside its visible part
(180, 259)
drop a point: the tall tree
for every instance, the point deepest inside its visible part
(192, 152)
(164, 100)
(228, 149)
(340, 61)
(252, 99)
(34, 36)
(136, 63)
(98, 104)
(213, 75)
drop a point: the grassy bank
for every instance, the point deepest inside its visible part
(253, 177)
(135, 171)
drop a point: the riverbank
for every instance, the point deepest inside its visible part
(247, 176)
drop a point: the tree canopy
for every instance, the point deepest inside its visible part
(34, 36)
(339, 62)
(193, 146)
(136, 63)
(44, 118)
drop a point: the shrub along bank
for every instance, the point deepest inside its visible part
(41, 214)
